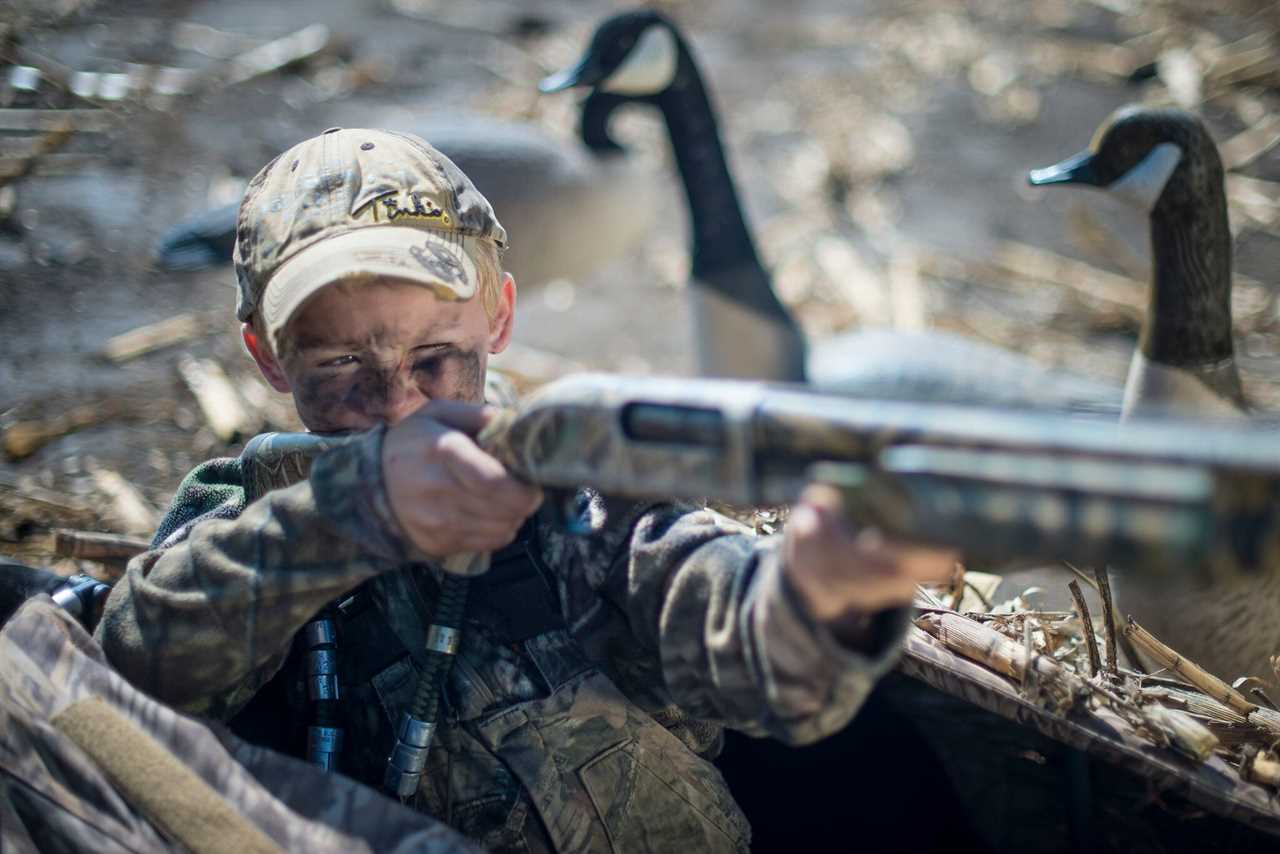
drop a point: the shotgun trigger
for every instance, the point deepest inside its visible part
(567, 511)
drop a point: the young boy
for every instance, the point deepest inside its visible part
(594, 674)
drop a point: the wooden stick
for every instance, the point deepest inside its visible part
(224, 410)
(1081, 575)
(154, 336)
(94, 545)
(266, 58)
(211, 42)
(1108, 619)
(24, 438)
(1166, 657)
(24, 510)
(134, 513)
(1117, 293)
(12, 168)
(1014, 266)
(1261, 696)
(1251, 143)
(1091, 642)
(1236, 62)
(48, 143)
(1256, 688)
(77, 121)
(1090, 60)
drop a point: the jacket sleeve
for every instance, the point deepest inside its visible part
(205, 617)
(709, 602)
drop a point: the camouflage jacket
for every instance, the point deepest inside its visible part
(592, 734)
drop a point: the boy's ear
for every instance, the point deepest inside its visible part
(502, 322)
(266, 360)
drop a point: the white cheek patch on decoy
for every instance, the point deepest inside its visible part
(1142, 185)
(649, 68)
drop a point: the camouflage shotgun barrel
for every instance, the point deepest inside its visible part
(1156, 497)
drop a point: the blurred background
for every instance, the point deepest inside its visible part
(881, 147)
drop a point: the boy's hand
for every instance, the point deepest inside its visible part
(448, 495)
(843, 577)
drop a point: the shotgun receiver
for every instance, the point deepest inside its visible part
(1156, 497)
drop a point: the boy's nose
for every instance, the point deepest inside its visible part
(403, 398)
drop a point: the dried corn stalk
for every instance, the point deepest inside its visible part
(1166, 657)
(976, 642)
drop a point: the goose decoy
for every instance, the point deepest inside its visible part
(744, 330)
(741, 328)
(573, 208)
(1164, 162)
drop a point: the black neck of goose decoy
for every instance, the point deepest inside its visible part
(1188, 322)
(593, 122)
(724, 253)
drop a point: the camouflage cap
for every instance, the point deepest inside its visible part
(351, 203)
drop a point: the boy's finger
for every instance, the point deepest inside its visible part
(468, 464)
(509, 511)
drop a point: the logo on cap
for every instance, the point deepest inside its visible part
(430, 210)
(397, 204)
(438, 263)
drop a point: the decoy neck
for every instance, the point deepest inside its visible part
(641, 57)
(1164, 162)
(593, 122)
(722, 241)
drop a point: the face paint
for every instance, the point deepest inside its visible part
(363, 357)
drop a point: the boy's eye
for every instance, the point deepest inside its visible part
(430, 364)
(433, 360)
(339, 361)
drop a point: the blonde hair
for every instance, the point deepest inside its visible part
(488, 260)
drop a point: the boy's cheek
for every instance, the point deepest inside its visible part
(325, 404)
(470, 376)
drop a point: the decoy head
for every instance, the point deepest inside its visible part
(634, 55)
(1148, 157)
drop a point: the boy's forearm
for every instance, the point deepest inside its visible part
(735, 641)
(201, 623)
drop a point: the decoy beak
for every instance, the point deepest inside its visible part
(585, 72)
(1073, 170)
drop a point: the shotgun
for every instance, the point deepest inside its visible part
(1160, 497)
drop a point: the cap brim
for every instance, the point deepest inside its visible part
(433, 258)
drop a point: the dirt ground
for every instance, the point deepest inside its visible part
(881, 147)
